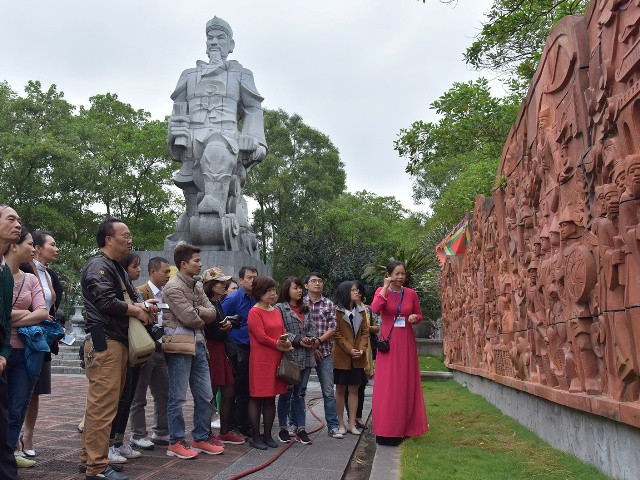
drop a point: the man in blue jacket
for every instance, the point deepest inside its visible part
(9, 233)
(239, 303)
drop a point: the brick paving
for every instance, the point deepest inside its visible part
(57, 444)
(57, 441)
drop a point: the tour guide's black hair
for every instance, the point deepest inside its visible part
(343, 294)
(391, 266)
(105, 229)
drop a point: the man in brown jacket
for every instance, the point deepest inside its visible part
(185, 349)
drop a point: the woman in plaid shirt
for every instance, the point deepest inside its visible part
(302, 333)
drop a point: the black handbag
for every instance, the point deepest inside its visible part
(288, 371)
(384, 344)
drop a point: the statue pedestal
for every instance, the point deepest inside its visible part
(229, 262)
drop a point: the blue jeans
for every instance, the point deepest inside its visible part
(324, 370)
(191, 370)
(292, 402)
(20, 387)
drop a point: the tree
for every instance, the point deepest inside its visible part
(370, 219)
(302, 170)
(456, 158)
(511, 41)
(127, 168)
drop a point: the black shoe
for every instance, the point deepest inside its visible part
(284, 436)
(361, 425)
(258, 445)
(269, 442)
(83, 468)
(109, 474)
(302, 437)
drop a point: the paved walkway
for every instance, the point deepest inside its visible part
(57, 444)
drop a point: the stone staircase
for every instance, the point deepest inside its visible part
(67, 361)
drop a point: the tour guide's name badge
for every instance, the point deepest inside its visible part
(400, 322)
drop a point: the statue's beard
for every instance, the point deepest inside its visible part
(215, 57)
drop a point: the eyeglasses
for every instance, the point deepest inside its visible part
(316, 281)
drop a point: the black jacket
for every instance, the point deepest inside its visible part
(103, 297)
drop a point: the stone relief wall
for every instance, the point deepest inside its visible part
(547, 297)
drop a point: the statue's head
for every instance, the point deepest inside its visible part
(219, 39)
(612, 199)
(571, 223)
(632, 177)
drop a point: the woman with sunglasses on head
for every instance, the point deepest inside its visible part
(349, 345)
(397, 416)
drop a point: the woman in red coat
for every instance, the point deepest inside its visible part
(398, 403)
(267, 339)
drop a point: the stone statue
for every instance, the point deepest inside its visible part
(210, 102)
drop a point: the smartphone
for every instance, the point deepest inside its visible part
(284, 336)
(162, 306)
(67, 340)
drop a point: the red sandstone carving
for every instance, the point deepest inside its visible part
(547, 297)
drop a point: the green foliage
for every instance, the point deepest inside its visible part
(456, 158)
(512, 39)
(62, 171)
(371, 219)
(470, 438)
(127, 167)
(301, 172)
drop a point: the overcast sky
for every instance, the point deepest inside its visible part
(357, 70)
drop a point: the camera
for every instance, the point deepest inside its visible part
(156, 331)
(234, 320)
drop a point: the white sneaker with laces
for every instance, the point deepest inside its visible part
(127, 452)
(114, 456)
(145, 443)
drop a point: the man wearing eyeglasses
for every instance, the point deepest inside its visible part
(104, 286)
(323, 314)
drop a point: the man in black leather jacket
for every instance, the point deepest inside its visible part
(104, 285)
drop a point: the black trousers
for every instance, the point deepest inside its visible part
(239, 358)
(119, 424)
(8, 468)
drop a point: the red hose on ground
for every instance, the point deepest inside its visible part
(310, 406)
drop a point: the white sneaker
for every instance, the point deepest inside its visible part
(143, 443)
(127, 452)
(114, 456)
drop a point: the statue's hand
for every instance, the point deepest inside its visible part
(259, 154)
(247, 143)
(179, 130)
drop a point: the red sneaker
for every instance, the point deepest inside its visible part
(231, 438)
(181, 450)
(215, 440)
(207, 447)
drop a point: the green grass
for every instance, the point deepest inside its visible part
(469, 438)
(432, 363)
